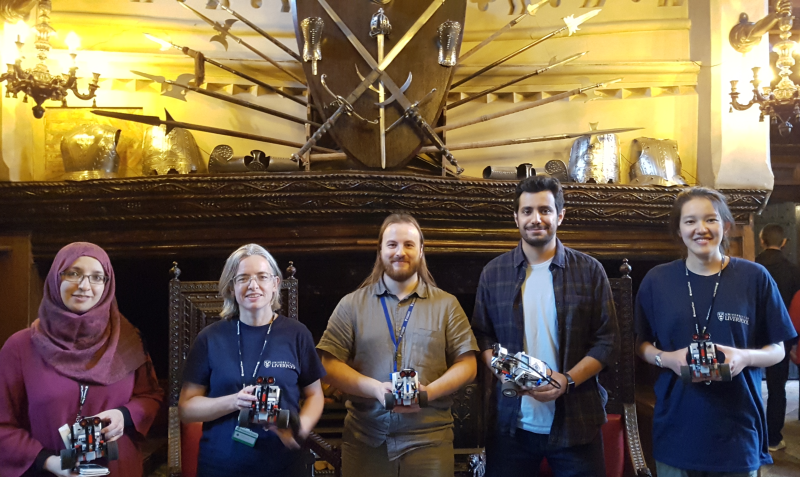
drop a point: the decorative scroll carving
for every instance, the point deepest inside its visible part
(209, 198)
(14, 10)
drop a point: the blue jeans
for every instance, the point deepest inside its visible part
(522, 454)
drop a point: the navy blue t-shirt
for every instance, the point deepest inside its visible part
(720, 427)
(290, 357)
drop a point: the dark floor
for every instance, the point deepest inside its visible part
(787, 461)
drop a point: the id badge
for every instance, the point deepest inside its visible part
(245, 436)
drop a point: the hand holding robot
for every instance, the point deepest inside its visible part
(406, 391)
(85, 442)
(706, 362)
(520, 372)
(265, 410)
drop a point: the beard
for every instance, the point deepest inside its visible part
(539, 241)
(400, 275)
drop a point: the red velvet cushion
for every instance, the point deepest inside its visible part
(190, 448)
(613, 447)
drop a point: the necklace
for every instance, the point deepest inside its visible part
(713, 297)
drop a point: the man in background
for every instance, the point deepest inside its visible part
(787, 276)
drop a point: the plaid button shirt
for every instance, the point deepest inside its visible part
(587, 326)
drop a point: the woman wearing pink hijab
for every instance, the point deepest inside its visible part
(80, 345)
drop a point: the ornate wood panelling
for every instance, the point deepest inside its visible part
(322, 212)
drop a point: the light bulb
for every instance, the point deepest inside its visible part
(73, 41)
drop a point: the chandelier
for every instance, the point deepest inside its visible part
(782, 103)
(38, 83)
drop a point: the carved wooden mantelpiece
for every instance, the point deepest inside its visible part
(317, 212)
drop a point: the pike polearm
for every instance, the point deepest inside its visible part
(260, 31)
(513, 81)
(524, 107)
(571, 26)
(199, 56)
(530, 10)
(225, 32)
(228, 99)
(492, 143)
(172, 124)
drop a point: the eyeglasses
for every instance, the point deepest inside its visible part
(75, 277)
(261, 278)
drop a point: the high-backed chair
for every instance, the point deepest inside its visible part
(621, 443)
(192, 307)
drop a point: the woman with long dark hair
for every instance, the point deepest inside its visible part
(717, 426)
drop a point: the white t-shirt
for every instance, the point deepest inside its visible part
(540, 341)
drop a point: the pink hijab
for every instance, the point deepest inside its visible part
(99, 346)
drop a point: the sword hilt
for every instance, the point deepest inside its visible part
(312, 141)
(413, 113)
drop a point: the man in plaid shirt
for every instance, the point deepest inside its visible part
(555, 304)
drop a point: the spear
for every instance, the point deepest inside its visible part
(524, 107)
(493, 143)
(198, 56)
(530, 10)
(571, 25)
(514, 81)
(172, 124)
(260, 31)
(225, 31)
(226, 98)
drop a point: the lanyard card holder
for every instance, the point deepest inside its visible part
(245, 436)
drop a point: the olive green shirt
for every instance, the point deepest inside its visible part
(437, 333)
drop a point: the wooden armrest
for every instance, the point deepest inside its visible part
(634, 443)
(327, 452)
(174, 443)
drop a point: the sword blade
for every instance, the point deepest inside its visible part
(371, 77)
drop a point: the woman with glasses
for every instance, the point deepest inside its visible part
(80, 358)
(252, 342)
(706, 427)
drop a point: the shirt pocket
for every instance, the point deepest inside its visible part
(428, 354)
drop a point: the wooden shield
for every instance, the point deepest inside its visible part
(358, 139)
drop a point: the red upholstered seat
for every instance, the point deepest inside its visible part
(190, 448)
(613, 448)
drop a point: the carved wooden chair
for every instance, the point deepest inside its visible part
(192, 307)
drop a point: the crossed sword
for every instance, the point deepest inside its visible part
(378, 72)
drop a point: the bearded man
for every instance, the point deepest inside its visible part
(398, 319)
(555, 304)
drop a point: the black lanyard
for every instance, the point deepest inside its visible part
(397, 341)
(263, 347)
(81, 400)
(713, 297)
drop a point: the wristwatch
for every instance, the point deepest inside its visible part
(658, 360)
(570, 383)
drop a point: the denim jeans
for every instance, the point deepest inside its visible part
(522, 454)
(664, 470)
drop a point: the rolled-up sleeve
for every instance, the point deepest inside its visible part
(339, 336)
(460, 338)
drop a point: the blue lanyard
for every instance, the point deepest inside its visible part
(397, 341)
